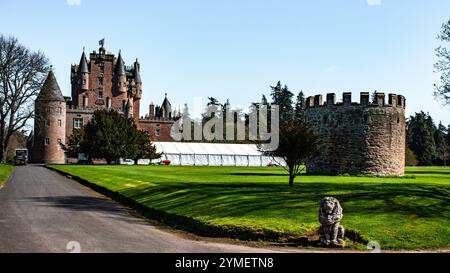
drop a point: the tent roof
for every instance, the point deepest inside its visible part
(207, 148)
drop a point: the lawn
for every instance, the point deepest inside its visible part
(399, 213)
(5, 172)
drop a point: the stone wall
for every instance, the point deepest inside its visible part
(50, 124)
(358, 138)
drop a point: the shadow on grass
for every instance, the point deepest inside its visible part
(234, 200)
(258, 174)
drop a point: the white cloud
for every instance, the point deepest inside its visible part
(373, 2)
(73, 2)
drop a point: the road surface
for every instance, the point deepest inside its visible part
(42, 211)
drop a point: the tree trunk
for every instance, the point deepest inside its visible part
(291, 176)
(4, 152)
(291, 180)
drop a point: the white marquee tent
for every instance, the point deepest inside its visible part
(213, 154)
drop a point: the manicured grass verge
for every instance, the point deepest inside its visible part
(256, 203)
(5, 172)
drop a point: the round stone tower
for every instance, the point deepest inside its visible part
(358, 138)
(49, 124)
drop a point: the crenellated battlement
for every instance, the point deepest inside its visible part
(393, 100)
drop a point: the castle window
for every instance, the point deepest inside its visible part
(85, 101)
(77, 123)
(48, 109)
(102, 68)
(100, 81)
(157, 132)
(123, 105)
(84, 81)
(59, 123)
(100, 94)
(108, 102)
(59, 110)
(46, 141)
(47, 122)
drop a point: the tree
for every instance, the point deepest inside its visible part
(282, 97)
(142, 147)
(22, 73)
(410, 157)
(264, 100)
(297, 144)
(185, 112)
(300, 104)
(111, 135)
(442, 90)
(440, 136)
(420, 137)
(74, 143)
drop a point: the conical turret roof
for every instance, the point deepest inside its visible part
(120, 65)
(50, 90)
(166, 104)
(137, 73)
(83, 67)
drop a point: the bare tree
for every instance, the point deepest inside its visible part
(442, 90)
(22, 73)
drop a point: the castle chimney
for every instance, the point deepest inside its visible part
(151, 113)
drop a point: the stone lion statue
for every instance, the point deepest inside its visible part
(331, 232)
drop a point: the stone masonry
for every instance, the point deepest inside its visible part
(358, 138)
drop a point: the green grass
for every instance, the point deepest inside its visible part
(400, 213)
(5, 172)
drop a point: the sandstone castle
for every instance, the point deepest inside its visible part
(101, 82)
(357, 138)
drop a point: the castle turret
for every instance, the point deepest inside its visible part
(120, 77)
(137, 80)
(166, 109)
(49, 123)
(83, 73)
(358, 138)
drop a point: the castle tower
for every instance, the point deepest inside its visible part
(137, 90)
(166, 109)
(83, 73)
(120, 77)
(358, 138)
(49, 124)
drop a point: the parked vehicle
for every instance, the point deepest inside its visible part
(165, 162)
(21, 157)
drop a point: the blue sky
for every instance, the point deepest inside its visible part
(235, 49)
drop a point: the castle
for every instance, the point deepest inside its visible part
(358, 138)
(101, 82)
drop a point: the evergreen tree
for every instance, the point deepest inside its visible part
(420, 136)
(110, 135)
(185, 112)
(300, 115)
(440, 136)
(264, 100)
(282, 97)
